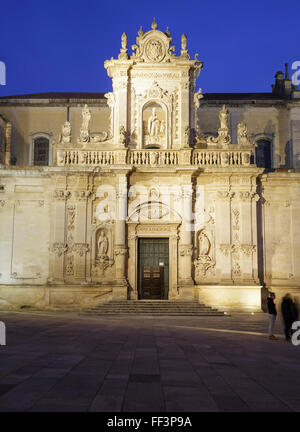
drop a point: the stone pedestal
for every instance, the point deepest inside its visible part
(119, 292)
(186, 292)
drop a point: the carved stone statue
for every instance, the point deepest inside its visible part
(153, 124)
(187, 136)
(197, 96)
(65, 136)
(242, 135)
(102, 245)
(86, 117)
(124, 41)
(203, 244)
(123, 136)
(84, 136)
(123, 51)
(162, 127)
(223, 116)
(223, 140)
(184, 52)
(183, 41)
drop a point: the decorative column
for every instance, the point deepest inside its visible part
(248, 236)
(7, 143)
(58, 246)
(186, 283)
(120, 252)
(223, 228)
(80, 246)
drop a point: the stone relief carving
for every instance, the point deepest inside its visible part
(69, 267)
(80, 248)
(153, 46)
(185, 250)
(61, 194)
(71, 212)
(235, 215)
(59, 248)
(152, 211)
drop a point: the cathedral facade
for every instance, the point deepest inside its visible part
(152, 191)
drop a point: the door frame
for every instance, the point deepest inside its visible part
(152, 230)
(140, 268)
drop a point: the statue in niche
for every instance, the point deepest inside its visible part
(153, 124)
(65, 136)
(102, 246)
(204, 245)
(205, 261)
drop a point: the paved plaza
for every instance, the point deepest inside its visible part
(67, 362)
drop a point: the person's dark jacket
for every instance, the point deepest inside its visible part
(289, 310)
(271, 306)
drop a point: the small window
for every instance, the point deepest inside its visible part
(263, 154)
(41, 151)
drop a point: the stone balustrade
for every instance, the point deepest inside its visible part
(144, 157)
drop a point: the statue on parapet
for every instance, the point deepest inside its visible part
(65, 136)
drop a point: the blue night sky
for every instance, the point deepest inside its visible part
(61, 45)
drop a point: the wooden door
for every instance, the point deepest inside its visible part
(153, 268)
(152, 282)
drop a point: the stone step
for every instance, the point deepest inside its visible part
(167, 313)
(153, 307)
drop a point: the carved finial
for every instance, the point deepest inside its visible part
(154, 24)
(124, 51)
(141, 32)
(183, 41)
(124, 41)
(167, 32)
(184, 52)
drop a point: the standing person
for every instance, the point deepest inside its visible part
(289, 314)
(272, 315)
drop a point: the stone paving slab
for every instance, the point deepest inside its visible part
(66, 362)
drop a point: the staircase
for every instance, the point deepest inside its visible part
(152, 307)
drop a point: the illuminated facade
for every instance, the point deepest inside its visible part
(152, 191)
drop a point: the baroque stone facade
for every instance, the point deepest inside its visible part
(90, 175)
